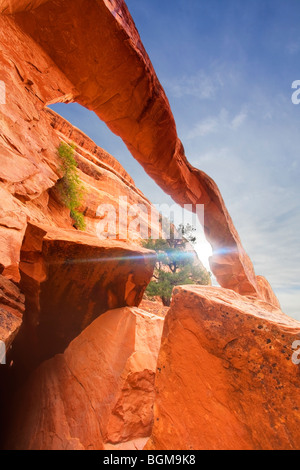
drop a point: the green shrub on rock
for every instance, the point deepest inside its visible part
(70, 187)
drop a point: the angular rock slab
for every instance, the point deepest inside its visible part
(69, 278)
(99, 393)
(226, 379)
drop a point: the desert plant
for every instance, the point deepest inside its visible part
(175, 264)
(70, 187)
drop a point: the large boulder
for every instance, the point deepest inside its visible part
(99, 394)
(226, 376)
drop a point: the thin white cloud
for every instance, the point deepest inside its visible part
(293, 48)
(205, 127)
(238, 120)
(217, 123)
(200, 85)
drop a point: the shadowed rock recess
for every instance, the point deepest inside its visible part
(86, 368)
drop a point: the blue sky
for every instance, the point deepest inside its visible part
(227, 67)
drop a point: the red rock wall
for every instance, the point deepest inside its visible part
(30, 165)
(105, 181)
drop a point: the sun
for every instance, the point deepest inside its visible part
(203, 249)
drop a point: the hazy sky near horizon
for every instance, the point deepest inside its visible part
(227, 68)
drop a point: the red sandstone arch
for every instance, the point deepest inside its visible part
(97, 46)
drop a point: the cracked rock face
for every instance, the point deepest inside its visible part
(97, 395)
(225, 365)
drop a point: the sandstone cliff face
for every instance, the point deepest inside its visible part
(225, 364)
(99, 393)
(28, 144)
(105, 182)
(30, 169)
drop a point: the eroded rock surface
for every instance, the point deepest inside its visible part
(30, 165)
(106, 183)
(226, 379)
(98, 394)
(11, 311)
(69, 278)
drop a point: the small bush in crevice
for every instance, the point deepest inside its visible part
(70, 187)
(176, 264)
